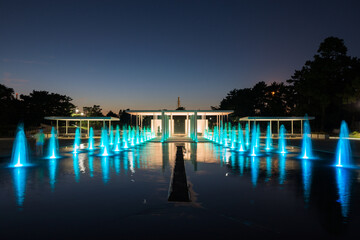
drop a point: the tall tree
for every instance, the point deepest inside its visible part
(94, 111)
(321, 84)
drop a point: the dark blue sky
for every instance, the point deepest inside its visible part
(144, 54)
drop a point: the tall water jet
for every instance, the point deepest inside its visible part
(258, 133)
(117, 140)
(282, 140)
(253, 147)
(343, 150)
(241, 139)
(111, 142)
(77, 141)
(344, 189)
(268, 143)
(306, 151)
(247, 135)
(19, 179)
(53, 149)
(105, 139)
(91, 143)
(233, 138)
(125, 138)
(19, 156)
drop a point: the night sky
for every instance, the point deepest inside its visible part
(144, 54)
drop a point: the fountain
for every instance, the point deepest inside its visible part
(117, 140)
(77, 141)
(233, 138)
(105, 139)
(306, 152)
(282, 140)
(258, 133)
(241, 139)
(247, 135)
(268, 143)
(111, 136)
(91, 144)
(19, 156)
(125, 138)
(343, 150)
(254, 135)
(53, 145)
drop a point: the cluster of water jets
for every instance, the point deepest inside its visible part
(245, 141)
(111, 143)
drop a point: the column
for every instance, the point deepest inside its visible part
(57, 126)
(66, 127)
(88, 128)
(80, 128)
(278, 127)
(301, 122)
(292, 127)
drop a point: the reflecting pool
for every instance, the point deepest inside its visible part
(271, 195)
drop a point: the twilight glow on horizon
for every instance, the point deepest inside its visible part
(144, 54)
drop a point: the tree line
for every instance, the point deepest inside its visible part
(326, 87)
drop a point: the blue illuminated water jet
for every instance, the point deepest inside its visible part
(268, 143)
(247, 135)
(19, 156)
(91, 143)
(306, 151)
(282, 140)
(117, 140)
(53, 149)
(253, 147)
(105, 150)
(77, 141)
(343, 150)
(241, 139)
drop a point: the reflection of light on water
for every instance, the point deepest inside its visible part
(105, 169)
(343, 184)
(19, 176)
(306, 168)
(241, 164)
(52, 172)
(282, 165)
(117, 164)
(91, 166)
(131, 162)
(82, 158)
(76, 167)
(268, 168)
(254, 170)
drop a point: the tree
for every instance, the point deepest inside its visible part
(94, 111)
(39, 104)
(112, 114)
(323, 85)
